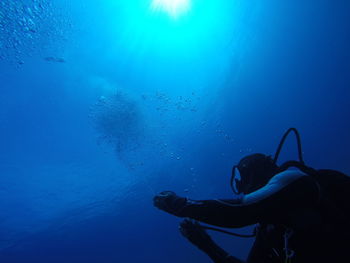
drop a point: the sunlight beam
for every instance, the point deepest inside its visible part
(174, 8)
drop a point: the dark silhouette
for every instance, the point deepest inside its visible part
(301, 215)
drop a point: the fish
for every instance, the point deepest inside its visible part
(55, 59)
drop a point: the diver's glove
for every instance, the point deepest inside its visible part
(169, 202)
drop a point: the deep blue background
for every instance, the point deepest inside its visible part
(225, 80)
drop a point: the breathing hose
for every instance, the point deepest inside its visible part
(279, 148)
(228, 232)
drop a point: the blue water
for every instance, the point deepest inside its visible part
(106, 103)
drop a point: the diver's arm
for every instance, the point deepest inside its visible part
(218, 255)
(226, 259)
(259, 253)
(197, 235)
(284, 192)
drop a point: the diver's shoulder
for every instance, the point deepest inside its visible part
(287, 177)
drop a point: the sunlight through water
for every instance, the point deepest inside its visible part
(174, 8)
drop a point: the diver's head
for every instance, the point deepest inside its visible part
(253, 172)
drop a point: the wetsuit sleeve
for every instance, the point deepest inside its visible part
(286, 192)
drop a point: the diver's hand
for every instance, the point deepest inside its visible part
(196, 234)
(169, 202)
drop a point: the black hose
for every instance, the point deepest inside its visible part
(228, 232)
(300, 152)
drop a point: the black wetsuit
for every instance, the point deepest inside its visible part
(290, 201)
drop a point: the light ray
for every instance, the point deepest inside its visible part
(174, 8)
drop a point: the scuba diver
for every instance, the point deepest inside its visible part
(300, 214)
